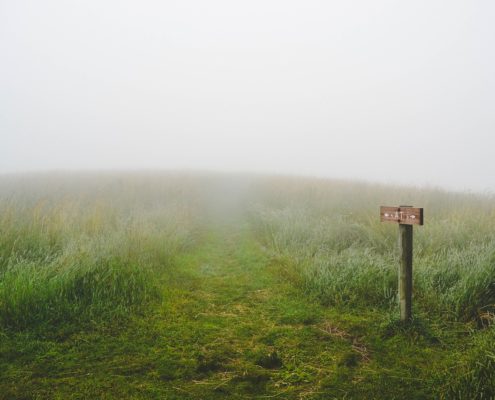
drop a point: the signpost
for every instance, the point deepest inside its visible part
(406, 217)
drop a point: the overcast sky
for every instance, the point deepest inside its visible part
(390, 91)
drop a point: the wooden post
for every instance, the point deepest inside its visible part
(405, 271)
(406, 216)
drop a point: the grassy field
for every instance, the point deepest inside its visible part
(202, 286)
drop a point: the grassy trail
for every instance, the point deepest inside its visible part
(229, 326)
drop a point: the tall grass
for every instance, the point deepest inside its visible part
(84, 253)
(331, 235)
(78, 244)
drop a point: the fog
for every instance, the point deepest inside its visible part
(386, 91)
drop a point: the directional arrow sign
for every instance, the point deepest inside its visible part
(402, 215)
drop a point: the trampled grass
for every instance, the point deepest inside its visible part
(175, 285)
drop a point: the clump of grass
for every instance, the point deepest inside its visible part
(101, 276)
(459, 282)
(32, 294)
(335, 257)
(353, 276)
(68, 259)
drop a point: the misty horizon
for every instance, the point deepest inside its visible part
(378, 92)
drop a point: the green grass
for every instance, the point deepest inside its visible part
(68, 260)
(346, 256)
(206, 287)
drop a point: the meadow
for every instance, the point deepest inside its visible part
(202, 286)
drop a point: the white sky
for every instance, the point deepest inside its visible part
(389, 91)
